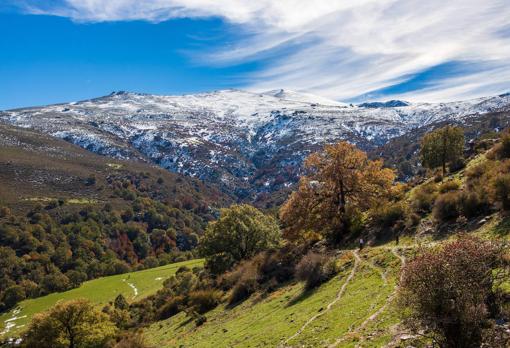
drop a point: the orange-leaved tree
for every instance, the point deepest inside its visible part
(339, 180)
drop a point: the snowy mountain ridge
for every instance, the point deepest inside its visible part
(244, 141)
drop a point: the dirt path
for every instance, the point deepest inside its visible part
(357, 261)
(379, 311)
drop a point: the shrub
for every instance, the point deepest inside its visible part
(449, 291)
(200, 320)
(451, 185)
(203, 301)
(502, 149)
(446, 207)
(386, 215)
(246, 285)
(170, 308)
(501, 190)
(471, 204)
(424, 197)
(314, 269)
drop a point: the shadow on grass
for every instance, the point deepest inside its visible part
(303, 295)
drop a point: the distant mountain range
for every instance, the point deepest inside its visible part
(247, 143)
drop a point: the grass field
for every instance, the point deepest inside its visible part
(292, 317)
(134, 286)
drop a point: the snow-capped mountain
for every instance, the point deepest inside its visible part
(246, 142)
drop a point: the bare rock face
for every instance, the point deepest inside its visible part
(247, 143)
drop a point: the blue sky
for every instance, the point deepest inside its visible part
(65, 50)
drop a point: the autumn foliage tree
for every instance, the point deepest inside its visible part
(441, 147)
(340, 179)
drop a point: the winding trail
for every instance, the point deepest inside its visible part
(357, 261)
(132, 286)
(379, 311)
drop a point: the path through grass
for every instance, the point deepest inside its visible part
(134, 285)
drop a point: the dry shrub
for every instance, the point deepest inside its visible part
(171, 307)
(247, 283)
(451, 185)
(315, 269)
(203, 301)
(451, 291)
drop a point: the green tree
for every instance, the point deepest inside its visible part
(241, 232)
(72, 324)
(441, 147)
(121, 302)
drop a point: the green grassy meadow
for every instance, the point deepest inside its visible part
(99, 291)
(271, 320)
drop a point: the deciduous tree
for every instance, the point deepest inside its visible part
(241, 232)
(340, 179)
(72, 324)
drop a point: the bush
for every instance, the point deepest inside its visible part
(170, 308)
(203, 301)
(450, 291)
(501, 191)
(471, 204)
(12, 296)
(446, 207)
(200, 320)
(424, 197)
(451, 185)
(387, 215)
(314, 269)
(246, 285)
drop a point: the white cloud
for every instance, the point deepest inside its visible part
(342, 48)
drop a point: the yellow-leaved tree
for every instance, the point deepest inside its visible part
(340, 181)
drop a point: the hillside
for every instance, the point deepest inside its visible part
(246, 143)
(68, 215)
(133, 286)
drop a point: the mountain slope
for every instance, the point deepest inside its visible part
(245, 142)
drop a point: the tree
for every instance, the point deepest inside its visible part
(451, 291)
(340, 180)
(442, 146)
(241, 232)
(72, 324)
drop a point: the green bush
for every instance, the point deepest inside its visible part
(446, 207)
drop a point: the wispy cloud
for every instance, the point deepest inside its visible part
(342, 49)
